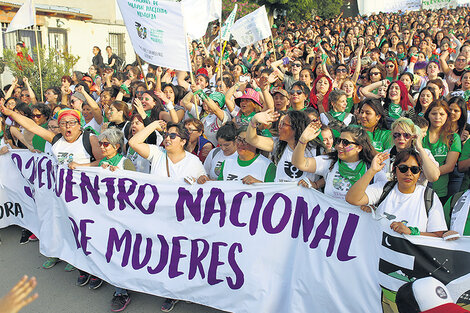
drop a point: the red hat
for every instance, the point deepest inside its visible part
(250, 94)
(202, 71)
(447, 308)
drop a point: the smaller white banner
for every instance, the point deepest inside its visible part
(252, 28)
(367, 7)
(438, 4)
(198, 13)
(229, 23)
(157, 32)
(24, 18)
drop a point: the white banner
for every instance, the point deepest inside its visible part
(439, 4)
(229, 23)
(251, 28)
(367, 7)
(198, 13)
(258, 248)
(25, 17)
(157, 32)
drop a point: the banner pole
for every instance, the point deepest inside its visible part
(141, 70)
(219, 69)
(39, 61)
(221, 55)
(274, 47)
(195, 98)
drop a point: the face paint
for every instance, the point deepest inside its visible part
(348, 148)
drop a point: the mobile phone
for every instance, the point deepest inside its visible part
(245, 79)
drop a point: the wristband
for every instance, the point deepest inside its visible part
(414, 231)
(170, 106)
(124, 87)
(301, 142)
(198, 92)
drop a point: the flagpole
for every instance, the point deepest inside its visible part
(39, 59)
(219, 71)
(274, 47)
(141, 69)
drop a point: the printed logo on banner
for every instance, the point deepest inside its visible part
(141, 30)
(443, 264)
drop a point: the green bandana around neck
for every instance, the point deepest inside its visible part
(114, 161)
(340, 116)
(352, 175)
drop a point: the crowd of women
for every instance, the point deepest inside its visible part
(371, 110)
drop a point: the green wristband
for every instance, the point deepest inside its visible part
(124, 87)
(414, 231)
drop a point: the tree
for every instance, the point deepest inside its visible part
(272, 5)
(327, 8)
(53, 66)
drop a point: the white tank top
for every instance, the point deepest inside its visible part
(233, 171)
(287, 172)
(66, 152)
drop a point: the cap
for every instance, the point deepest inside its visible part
(250, 94)
(279, 90)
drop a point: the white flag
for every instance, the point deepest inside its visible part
(24, 18)
(251, 28)
(198, 13)
(157, 32)
(228, 24)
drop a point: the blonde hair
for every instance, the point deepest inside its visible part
(407, 125)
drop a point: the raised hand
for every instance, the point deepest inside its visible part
(310, 132)
(378, 161)
(266, 117)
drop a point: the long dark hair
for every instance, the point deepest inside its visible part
(375, 105)
(362, 139)
(445, 133)
(462, 122)
(419, 107)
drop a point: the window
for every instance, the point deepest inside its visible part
(25, 35)
(116, 41)
(58, 39)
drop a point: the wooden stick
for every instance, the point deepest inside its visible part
(141, 70)
(39, 61)
(195, 98)
(274, 47)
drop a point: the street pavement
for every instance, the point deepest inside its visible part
(56, 288)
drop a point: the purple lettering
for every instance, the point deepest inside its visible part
(60, 182)
(164, 251)
(235, 208)
(239, 276)
(346, 238)
(115, 241)
(212, 273)
(216, 194)
(331, 218)
(185, 196)
(176, 255)
(268, 214)
(301, 217)
(40, 171)
(254, 220)
(136, 264)
(196, 258)
(141, 195)
(124, 193)
(69, 196)
(110, 192)
(84, 238)
(85, 185)
(75, 232)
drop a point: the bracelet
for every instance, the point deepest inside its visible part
(414, 231)
(301, 142)
(198, 92)
(124, 87)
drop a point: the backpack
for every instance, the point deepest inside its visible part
(428, 195)
(85, 139)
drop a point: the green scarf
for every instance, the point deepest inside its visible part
(114, 161)
(337, 115)
(352, 175)
(350, 104)
(394, 111)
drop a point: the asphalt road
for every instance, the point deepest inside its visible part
(56, 288)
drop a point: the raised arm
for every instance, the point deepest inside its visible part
(357, 72)
(298, 158)
(430, 169)
(137, 142)
(30, 90)
(443, 62)
(261, 142)
(180, 77)
(97, 114)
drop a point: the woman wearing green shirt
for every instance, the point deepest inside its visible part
(372, 118)
(397, 102)
(444, 145)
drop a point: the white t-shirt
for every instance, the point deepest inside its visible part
(66, 152)
(409, 207)
(234, 171)
(190, 165)
(93, 124)
(386, 173)
(287, 172)
(212, 125)
(335, 185)
(214, 161)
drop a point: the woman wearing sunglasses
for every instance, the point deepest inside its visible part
(405, 201)
(298, 95)
(111, 143)
(341, 168)
(171, 161)
(406, 135)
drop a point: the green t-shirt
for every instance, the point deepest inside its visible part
(268, 177)
(394, 111)
(464, 156)
(39, 143)
(439, 150)
(381, 139)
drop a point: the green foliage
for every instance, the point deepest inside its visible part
(327, 8)
(244, 7)
(54, 65)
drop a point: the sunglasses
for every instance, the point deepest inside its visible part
(36, 116)
(404, 168)
(297, 65)
(104, 144)
(390, 66)
(345, 142)
(171, 135)
(293, 92)
(341, 70)
(404, 135)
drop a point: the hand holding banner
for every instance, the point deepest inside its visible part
(157, 32)
(252, 28)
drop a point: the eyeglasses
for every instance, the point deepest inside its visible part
(190, 130)
(25, 95)
(241, 140)
(36, 116)
(345, 142)
(341, 70)
(390, 66)
(68, 123)
(104, 144)
(141, 92)
(297, 65)
(460, 60)
(171, 135)
(404, 135)
(404, 168)
(374, 73)
(293, 92)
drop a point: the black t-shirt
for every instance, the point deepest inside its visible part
(116, 61)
